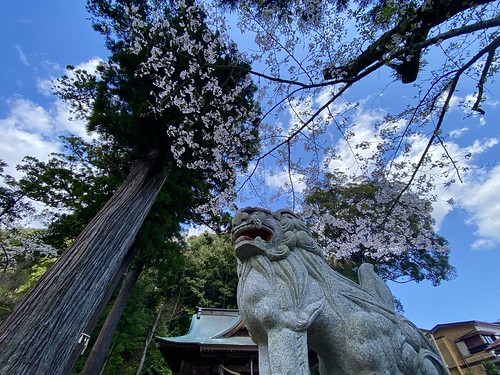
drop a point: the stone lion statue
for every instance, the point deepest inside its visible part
(292, 301)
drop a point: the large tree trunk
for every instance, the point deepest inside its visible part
(40, 334)
(98, 353)
(77, 350)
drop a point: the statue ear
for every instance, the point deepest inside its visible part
(290, 239)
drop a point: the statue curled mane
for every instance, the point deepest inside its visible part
(292, 301)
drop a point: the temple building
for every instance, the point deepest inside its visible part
(217, 343)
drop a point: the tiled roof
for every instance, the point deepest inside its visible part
(213, 329)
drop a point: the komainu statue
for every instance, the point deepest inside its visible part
(292, 301)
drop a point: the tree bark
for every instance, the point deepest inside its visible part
(77, 350)
(98, 353)
(40, 334)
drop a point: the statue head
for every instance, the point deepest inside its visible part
(257, 231)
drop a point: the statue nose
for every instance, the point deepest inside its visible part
(256, 222)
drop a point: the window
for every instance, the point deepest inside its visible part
(478, 342)
(490, 339)
(463, 349)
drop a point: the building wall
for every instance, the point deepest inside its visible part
(462, 362)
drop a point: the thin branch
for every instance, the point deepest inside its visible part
(305, 124)
(450, 158)
(290, 174)
(452, 87)
(283, 48)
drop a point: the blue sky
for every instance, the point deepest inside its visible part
(40, 38)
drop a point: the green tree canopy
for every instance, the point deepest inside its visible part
(210, 277)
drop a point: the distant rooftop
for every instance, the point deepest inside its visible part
(210, 329)
(217, 340)
(467, 322)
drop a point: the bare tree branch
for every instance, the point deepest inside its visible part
(480, 86)
(444, 109)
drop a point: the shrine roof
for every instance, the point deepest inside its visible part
(213, 329)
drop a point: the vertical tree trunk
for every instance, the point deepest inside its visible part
(98, 353)
(148, 340)
(40, 334)
(77, 350)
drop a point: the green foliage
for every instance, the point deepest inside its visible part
(491, 368)
(14, 208)
(16, 281)
(73, 184)
(76, 183)
(210, 279)
(35, 272)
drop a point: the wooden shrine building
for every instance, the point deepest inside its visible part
(217, 343)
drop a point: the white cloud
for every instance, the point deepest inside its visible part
(456, 133)
(196, 230)
(91, 65)
(30, 129)
(454, 101)
(25, 131)
(482, 201)
(279, 179)
(44, 86)
(361, 144)
(62, 116)
(22, 55)
(478, 195)
(300, 110)
(480, 146)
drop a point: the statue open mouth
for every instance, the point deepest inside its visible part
(249, 240)
(252, 234)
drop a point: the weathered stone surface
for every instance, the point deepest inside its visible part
(291, 300)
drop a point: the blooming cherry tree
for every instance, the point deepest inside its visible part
(359, 222)
(173, 94)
